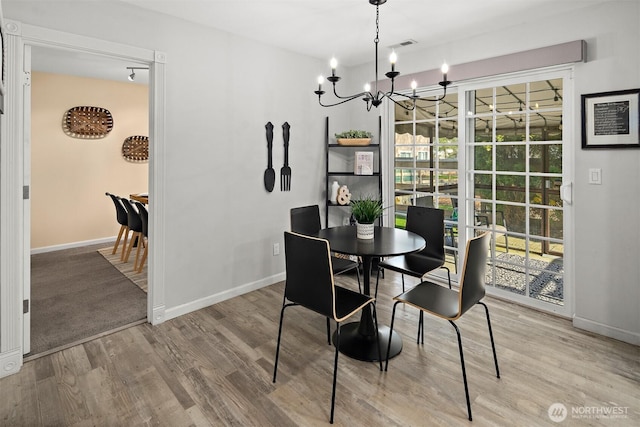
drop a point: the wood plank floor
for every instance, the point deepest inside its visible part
(214, 367)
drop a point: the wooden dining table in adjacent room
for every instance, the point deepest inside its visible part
(142, 198)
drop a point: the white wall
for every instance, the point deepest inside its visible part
(607, 230)
(221, 90)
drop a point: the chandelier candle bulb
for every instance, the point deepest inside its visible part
(393, 58)
(414, 85)
(445, 70)
(320, 81)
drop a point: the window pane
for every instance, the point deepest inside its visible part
(510, 128)
(482, 186)
(510, 188)
(425, 133)
(404, 135)
(484, 101)
(511, 99)
(482, 155)
(511, 158)
(545, 158)
(404, 179)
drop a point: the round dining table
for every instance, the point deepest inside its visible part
(357, 339)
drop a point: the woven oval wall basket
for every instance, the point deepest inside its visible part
(136, 148)
(87, 122)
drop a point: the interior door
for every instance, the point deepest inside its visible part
(26, 287)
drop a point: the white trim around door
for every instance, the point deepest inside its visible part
(14, 213)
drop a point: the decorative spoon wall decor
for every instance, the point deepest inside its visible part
(269, 173)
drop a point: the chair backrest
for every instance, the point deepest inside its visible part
(309, 280)
(428, 223)
(305, 220)
(133, 217)
(473, 272)
(144, 217)
(121, 213)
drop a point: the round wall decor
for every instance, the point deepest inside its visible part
(87, 122)
(136, 148)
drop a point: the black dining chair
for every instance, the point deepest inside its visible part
(309, 283)
(306, 220)
(428, 223)
(451, 304)
(134, 224)
(121, 217)
(144, 218)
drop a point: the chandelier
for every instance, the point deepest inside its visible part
(375, 98)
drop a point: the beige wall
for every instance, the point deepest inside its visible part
(69, 176)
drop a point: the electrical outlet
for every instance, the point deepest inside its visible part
(276, 249)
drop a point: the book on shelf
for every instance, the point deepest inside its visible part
(363, 163)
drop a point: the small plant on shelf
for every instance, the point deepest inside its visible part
(366, 209)
(354, 134)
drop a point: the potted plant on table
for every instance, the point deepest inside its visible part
(366, 210)
(354, 137)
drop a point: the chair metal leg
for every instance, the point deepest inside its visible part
(448, 275)
(375, 294)
(358, 276)
(328, 331)
(393, 317)
(335, 372)
(464, 371)
(402, 282)
(493, 346)
(420, 328)
(275, 363)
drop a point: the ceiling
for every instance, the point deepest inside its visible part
(325, 28)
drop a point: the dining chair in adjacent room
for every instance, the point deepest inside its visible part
(135, 225)
(451, 304)
(306, 220)
(144, 218)
(309, 283)
(121, 217)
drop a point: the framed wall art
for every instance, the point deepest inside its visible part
(611, 119)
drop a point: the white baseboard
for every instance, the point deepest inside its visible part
(606, 330)
(72, 245)
(222, 296)
(10, 362)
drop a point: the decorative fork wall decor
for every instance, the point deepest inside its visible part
(285, 171)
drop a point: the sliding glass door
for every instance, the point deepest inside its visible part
(493, 156)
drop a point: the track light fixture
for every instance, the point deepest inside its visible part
(374, 99)
(132, 76)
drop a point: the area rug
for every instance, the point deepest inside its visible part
(79, 295)
(126, 268)
(545, 276)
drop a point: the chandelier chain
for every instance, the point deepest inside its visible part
(376, 40)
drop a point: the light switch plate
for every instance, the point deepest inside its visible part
(595, 176)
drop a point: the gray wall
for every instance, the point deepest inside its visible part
(606, 228)
(222, 89)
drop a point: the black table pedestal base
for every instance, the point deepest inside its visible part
(361, 347)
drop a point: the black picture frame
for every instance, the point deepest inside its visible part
(611, 119)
